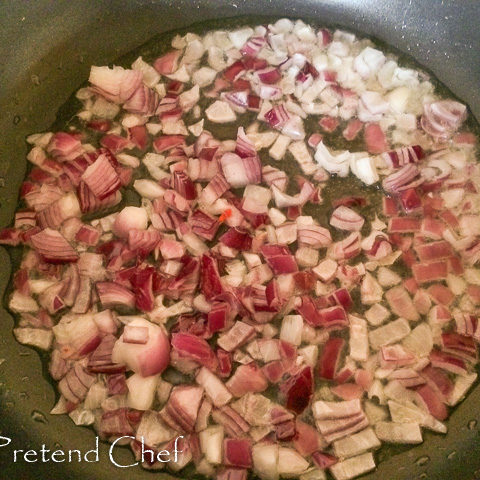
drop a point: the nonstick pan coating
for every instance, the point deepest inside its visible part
(46, 49)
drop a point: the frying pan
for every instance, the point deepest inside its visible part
(46, 48)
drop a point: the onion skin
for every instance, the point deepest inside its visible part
(53, 247)
(195, 348)
(238, 452)
(375, 138)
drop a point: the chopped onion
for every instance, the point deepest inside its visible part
(141, 391)
(392, 432)
(211, 442)
(353, 467)
(146, 359)
(265, 460)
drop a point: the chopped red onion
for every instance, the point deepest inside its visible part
(205, 269)
(133, 334)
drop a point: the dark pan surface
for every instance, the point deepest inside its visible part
(46, 49)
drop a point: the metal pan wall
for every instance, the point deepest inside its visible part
(46, 49)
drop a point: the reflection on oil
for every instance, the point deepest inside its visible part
(452, 454)
(38, 416)
(422, 460)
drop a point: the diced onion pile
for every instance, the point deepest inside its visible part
(215, 308)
